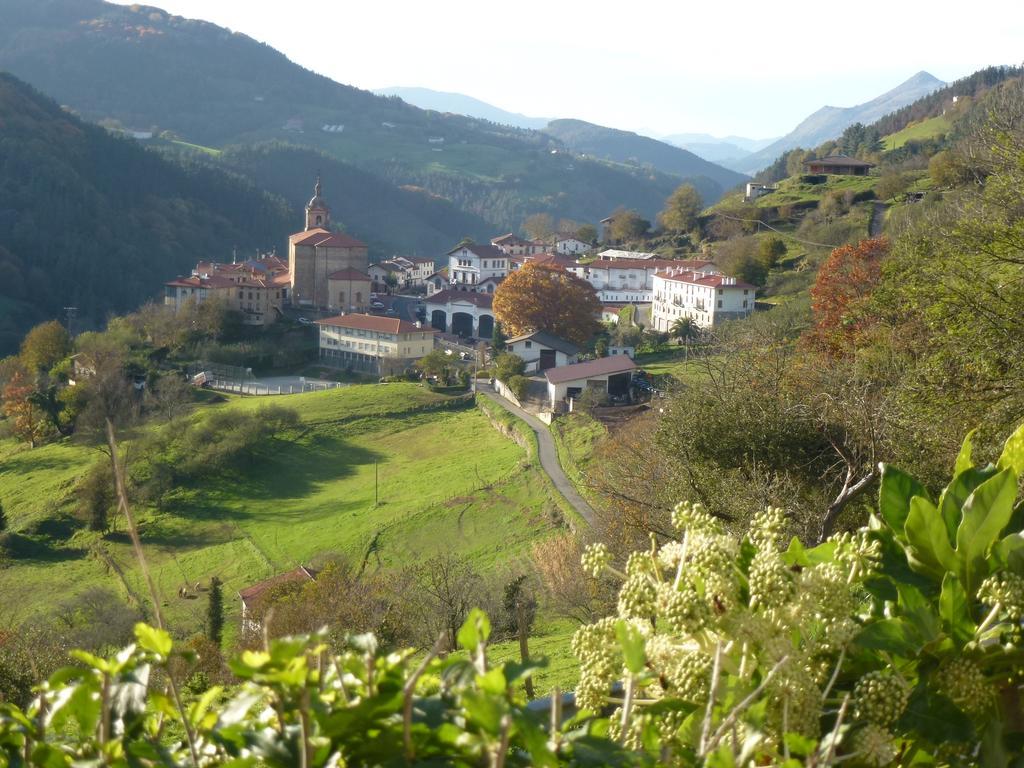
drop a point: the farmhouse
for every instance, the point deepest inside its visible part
(461, 313)
(706, 299)
(541, 351)
(570, 245)
(513, 245)
(380, 345)
(839, 164)
(608, 376)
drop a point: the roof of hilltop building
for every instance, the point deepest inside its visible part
(374, 323)
(692, 264)
(547, 340)
(482, 300)
(701, 278)
(485, 251)
(603, 366)
(322, 238)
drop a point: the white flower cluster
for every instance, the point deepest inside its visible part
(963, 681)
(1005, 589)
(880, 698)
(707, 593)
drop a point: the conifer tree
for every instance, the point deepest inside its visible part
(215, 612)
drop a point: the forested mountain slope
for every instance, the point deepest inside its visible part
(97, 222)
(146, 69)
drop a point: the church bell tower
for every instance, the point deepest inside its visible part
(317, 214)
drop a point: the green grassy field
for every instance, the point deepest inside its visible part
(445, 479)
(926, 129)
(792, 190)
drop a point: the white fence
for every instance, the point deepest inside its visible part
(258, 388)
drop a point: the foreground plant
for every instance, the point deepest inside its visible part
(897, 645)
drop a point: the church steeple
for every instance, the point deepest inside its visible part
(317, 213)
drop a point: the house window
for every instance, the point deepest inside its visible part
(341, 298)
(745, 291)
(359, 297)
(719, 303)
(241, 294)
(744, 303)
(529, 345)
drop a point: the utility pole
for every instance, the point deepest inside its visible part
(70, 313)
(376, 486)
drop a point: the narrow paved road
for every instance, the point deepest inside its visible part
(548, 453)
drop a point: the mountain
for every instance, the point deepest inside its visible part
(142, 68)
(460, 104)
(628, 147)
(94, 221)
(830, 122)
(685, 140)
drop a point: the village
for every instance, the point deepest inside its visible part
(380, 319)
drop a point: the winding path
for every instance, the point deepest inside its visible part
(877, 219)
(548, 454)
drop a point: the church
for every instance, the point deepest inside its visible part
(316, 255)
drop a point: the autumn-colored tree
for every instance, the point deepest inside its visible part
(29, 422)
(539, 226)
(682, 209)
(838, 296)
(627, 225)
(45, 346)
(587, 233)
(545, 297)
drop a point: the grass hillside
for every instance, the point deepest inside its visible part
(446, 479)
(925, 129)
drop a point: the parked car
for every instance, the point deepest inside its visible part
(377, 305)
(391, 312)
(305, 321)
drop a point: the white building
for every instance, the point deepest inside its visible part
(706, 299)
(540, 350)
(513, 245)
(608, 376)
(631, 281)
(462, 313)
(375, 344)
(615, 253)
(468, 265)
(570, 246)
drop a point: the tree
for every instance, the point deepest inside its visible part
(171, 396)
(601, 347)
(215, 612)
(435, 363)
(682, 208)
(45, 346)
(391, 281)
(498, 338)
(440, 594)
(587, 233)
(627, 226)
(28, 421)
(770, 251)
(95, 494)
(683, 329)
(840, 292)
(539, 226)
(3, 518)
(507, 365)
(545, 297)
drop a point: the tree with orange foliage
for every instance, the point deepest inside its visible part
(545, 297)
(839, 293)
(28, 420)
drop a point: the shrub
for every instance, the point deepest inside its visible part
(507, 365)
(518, 385)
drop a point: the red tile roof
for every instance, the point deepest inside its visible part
(603, 366)
(323, 239)
(648, 263)
(699, 278)
(250, 594)
(374, 323)
(349, 274)
(482, 300)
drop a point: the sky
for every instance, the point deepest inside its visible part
(659, 67)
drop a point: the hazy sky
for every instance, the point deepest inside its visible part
(726, 66)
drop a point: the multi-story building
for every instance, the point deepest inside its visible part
(316, 252)
(471, 264)
(632, 280)
(706, 299)
(349, 290)
(257, 288)
(380, 345)
(513, 245)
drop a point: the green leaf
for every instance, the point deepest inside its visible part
(796, 554)
(1012, 456)
(153, 640)
(985, 514)
(895, 491)
(993, 750)
(955, 495)
(475, 630)
(892, 635)
(963, 459)
(927, 537)
(493, 681)
(955, 609)
(632, 644)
